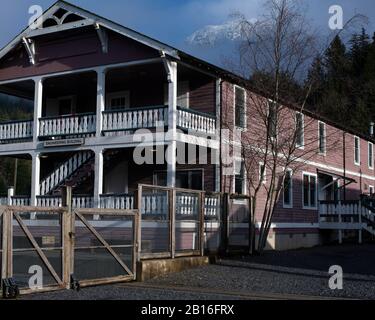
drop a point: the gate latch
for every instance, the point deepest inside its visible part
(10, 289)
(74, 284)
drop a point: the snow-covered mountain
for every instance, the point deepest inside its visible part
(212, 34)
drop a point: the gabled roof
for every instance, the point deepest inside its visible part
(88, 18)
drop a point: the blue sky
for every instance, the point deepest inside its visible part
(172, 21)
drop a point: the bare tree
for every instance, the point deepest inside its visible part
(275, 53)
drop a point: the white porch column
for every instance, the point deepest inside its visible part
(38, 105)
(35, 179)
(100, 100)
(98, 184)
(172, 122)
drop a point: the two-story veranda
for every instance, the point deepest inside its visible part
(93, 84)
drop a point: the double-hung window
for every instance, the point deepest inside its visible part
(357, 149)
(300, 134)
(288, 189)
(370, 155)
(309, 194)
(239, 107)
(239, 177)
(322, 138)
(272, 119)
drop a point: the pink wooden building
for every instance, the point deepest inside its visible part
(94, 84)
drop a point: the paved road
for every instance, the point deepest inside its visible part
(296, 274)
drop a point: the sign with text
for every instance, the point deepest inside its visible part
(65, 142)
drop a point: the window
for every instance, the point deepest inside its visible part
(183, 94)
(186, 179)
(370, 155)
(272, 119)
(288, 189)
(262, 173)
(322, 137)
(118, 100)
(371, 190)
(239, 177)
(239, 107)
(309, 191)
(357, 147)
(300, 127)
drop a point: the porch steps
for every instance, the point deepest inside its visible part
(72, 171)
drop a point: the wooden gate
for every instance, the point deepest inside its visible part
(105, 245)
(85, 247)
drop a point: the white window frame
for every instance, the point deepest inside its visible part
(369, 189)
(118, 94)
(316, 191)
(263, 179)
(73, 100)
(244, 187)
(289, 206)
(303, 130)
(155, 174)
(325, 138)
(357, 163)
(277, 118)
(244, 128)
(370, 163)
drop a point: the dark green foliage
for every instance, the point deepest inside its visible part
(343, 81)
(12, 108)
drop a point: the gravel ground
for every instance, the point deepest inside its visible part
(274, 275)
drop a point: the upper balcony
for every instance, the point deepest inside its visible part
(135, 98)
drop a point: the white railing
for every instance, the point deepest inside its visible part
(189, 119)
(72, 125)
(64, 171)
(119, 201)
(334, 208)
(132, 119)
(16, 130)
(157, 204)
(20, 201)
(3, 201)
(77, 201)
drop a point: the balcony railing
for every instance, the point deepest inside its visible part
(114, 121)
(135, 118)
(83, 124)
(195, 121)
(16, 131)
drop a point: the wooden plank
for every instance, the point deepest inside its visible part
(139, 235)
(36, 246)
(102, 281)
(172, 221)
(4, 245)
(136, 244)
(110, 212)
(202, 226)
(100, 238)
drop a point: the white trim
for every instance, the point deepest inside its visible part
(118, 94)
(324, 152)
(370, 165)
(302, 146)
(289, 206)
(357, 163)
(309, 174)
(263, 179)
(244, 128)
(371, 187)
(100, 21)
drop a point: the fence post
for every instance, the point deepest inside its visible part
(4, 246)
(7, 244)
(202, 222)
(67, 236)
(172, 221)
(224, 223)
(138, 203)
(10, 195)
